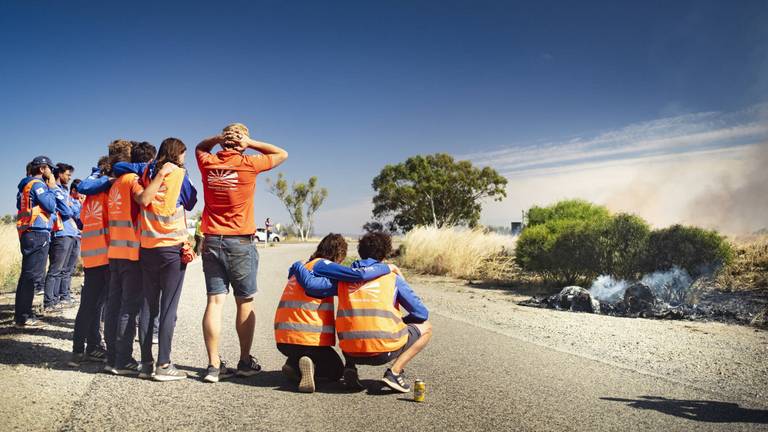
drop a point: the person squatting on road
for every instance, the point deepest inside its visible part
(36, 203)
(370, 327)
(228, 252)
(304, 326)
(65, 242)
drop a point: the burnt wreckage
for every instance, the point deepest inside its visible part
(696, 301)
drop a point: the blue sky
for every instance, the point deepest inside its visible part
(347, 87)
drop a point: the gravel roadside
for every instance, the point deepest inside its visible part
(722, 358)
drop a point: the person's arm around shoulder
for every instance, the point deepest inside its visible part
(332, 270)
(314, 286)
(94, 184)
(145, 197)
(407, 298)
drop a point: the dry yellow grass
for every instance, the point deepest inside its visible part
(461, 253)
(10, 258)
(749, 268)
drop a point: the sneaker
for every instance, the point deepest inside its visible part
(68, 303)
(214, 374)
(396, 382)
(168, 373)
(130, 368)
(50, 310)
(155, 339)
(307, 369)
(39, 291)
(108, 368)
(99, 354)
(76, 360)
(31, 322)
(351, 379)
(250, 367)
(291, 373)
(147, 370)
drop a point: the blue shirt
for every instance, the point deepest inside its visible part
(69, 211)
(94, 183)
(322, 282)
(188, 194)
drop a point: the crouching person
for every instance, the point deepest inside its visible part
(304, 326)
(371, 329)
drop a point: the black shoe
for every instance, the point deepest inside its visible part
(130, 368)
(250, 367)
(214, 374)
(351, 380)
(291, 373)
(395, 381)
(307, 369)
(99, 354)
(76, 360)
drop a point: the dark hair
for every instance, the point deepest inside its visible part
(75, 183)
(376, 245)
(142, 152)
(332, 247)
(104, 165)
(29, 168)
(170, 150)
(62, 167)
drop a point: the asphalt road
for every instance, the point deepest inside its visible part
(476, 380)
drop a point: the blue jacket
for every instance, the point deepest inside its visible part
(69, 210)
(188, 195)
(322, 282)
(94, 183)
(40, 195)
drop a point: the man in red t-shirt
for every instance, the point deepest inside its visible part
(229, 252)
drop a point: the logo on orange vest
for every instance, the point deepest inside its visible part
(372, 289)
(222, 179)
(115, 199)
(92, 210)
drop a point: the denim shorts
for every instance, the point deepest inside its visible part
(230, 260)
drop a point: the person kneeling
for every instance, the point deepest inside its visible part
(304, 326)
(371, 329)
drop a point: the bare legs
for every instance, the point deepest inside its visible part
(426, 334)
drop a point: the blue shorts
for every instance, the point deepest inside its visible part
(230, 260)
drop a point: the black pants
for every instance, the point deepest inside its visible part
(163, 276)
(87, 322)
(126, 274)
(327, 362)
(34, 254)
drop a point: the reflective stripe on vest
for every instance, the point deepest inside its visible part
(368, 322)
(95, 235)
(123, 219)
(30, 216)
(304, 320)
(162, 221)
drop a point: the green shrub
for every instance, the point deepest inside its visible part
(623, 243)
(574, 209)
(696, 250)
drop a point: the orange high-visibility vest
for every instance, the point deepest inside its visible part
(124, 240)
(95, 235)
(367, 321)
(163, 223)
(29, 215)
(304, 320)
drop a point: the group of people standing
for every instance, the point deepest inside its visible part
(128, 222)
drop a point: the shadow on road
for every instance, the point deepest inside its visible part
(15, 352)
(698, 410)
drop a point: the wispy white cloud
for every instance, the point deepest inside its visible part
(662, 137)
